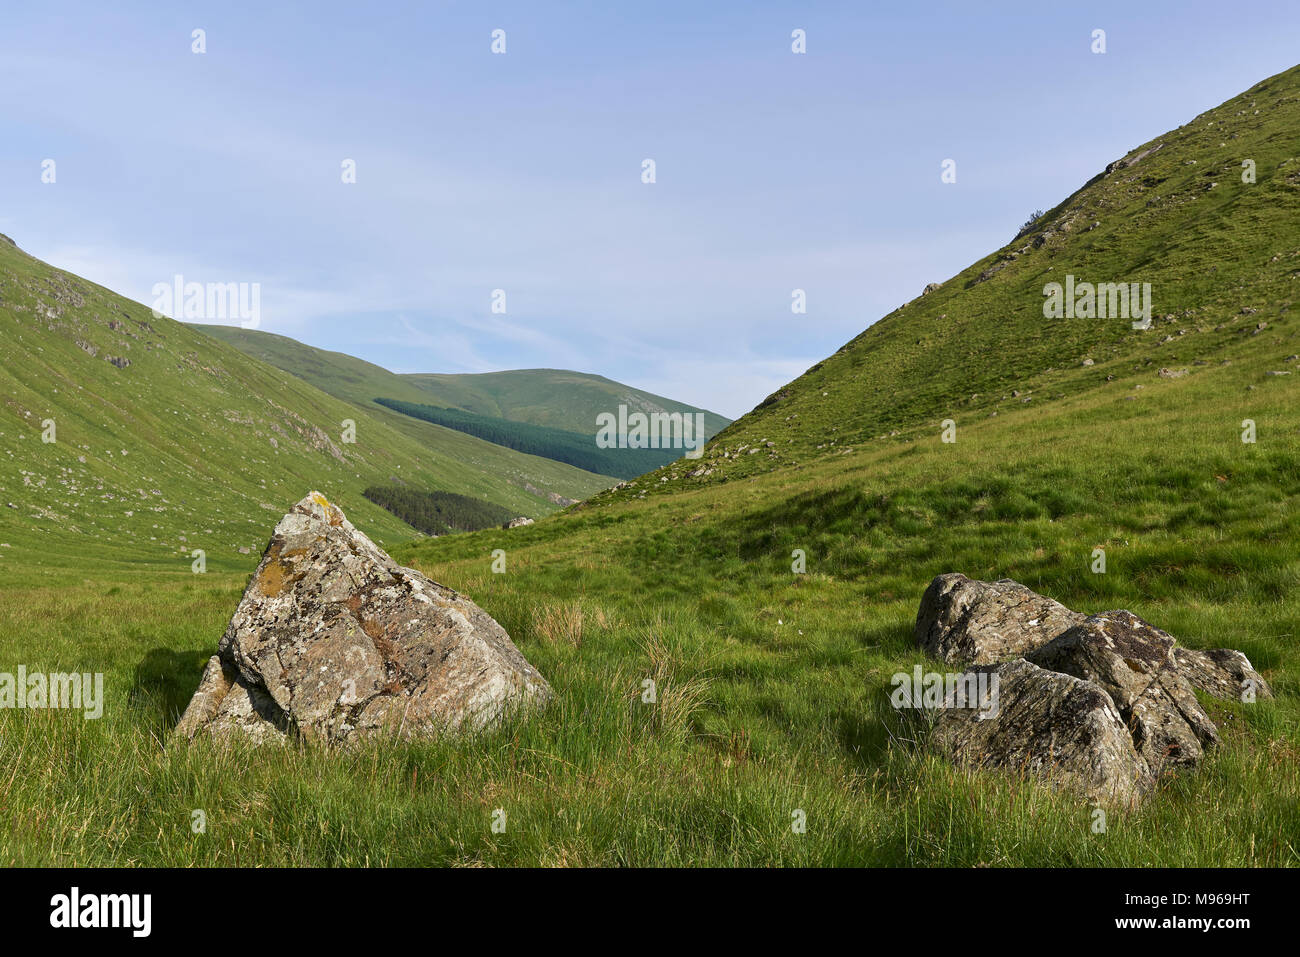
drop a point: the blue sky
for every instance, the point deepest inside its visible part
(522, 171)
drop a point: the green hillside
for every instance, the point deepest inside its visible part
(552, 397)
(167, 440)
(549, 397)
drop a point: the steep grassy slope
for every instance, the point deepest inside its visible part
(167, 440)
(551, 397)
(339, 374)
(1222, 257)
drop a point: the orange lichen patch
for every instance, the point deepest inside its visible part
(277, 574)
(273, 579)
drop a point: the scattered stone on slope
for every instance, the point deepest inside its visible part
(1123, 163)
(334, 641)
(519, 522)
(555, 498)
(974, 622)
(1057, 728)
(1222, 672)
(1134, 662)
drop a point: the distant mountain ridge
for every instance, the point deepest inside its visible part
(555, 398)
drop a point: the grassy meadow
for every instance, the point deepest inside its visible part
(771, 685)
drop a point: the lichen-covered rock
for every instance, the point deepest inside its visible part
(1053, 727)
(1147, 682)
(226, 706)
(1222, 672)
(1134, 662)
(965, 622)
(334, 641)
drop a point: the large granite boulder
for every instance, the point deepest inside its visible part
(334, 641)
(1055, 728)
(966, 622)
(1134, 662)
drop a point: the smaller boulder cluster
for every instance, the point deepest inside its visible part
(1099, 704)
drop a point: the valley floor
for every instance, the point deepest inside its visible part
(772, 686)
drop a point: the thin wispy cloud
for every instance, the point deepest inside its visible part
(522, 172)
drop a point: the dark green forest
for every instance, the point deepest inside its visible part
(438, 513)
(561, 445)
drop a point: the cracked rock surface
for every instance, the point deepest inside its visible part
(1222, 672)
(1052, 726)
(334, 641)
(967, 622)
(1134, 662)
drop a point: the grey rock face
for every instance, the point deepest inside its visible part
(974, 622)
(334, 641)
(1051, 720)
(1223, 673)
(1134, 662)
(1059, 729)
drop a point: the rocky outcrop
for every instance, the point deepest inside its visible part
(555, 498)
(965, 622)
(519, 522)
(1101, 704)
(1124, 163)
(1057, 728)
(334, 641)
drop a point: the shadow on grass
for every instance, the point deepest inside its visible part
(868, 735)
(165, 681)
